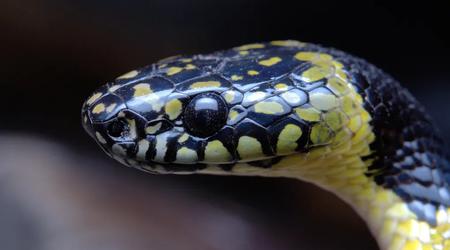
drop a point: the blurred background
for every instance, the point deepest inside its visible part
(59, 191)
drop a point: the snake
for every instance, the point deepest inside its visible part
(286, 109)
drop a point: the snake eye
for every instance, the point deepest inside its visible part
(205, 114)
(118, 128)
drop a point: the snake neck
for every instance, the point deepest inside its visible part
(404, 193)
(342, 171)
(389, 218)
(401, 192)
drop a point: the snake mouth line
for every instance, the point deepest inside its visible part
(192, 168)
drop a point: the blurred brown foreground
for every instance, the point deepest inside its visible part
(55, 198)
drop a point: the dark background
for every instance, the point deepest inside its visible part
(60, 192)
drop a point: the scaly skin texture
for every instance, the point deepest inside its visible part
(290, 109)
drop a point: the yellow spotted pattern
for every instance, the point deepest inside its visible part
(186, 60)
(184, 137)
(249, 148)
(268, 107)
(206, 84)
(99, 108)
(288, 43)
(186, 155)
(324, 66)
(281, 87)
(323, 101)
(153, 129)
(176, 69)
(236, 77)
(93, 98)
(189, 66)
(173, 108)
(255, 96)
(308, 114)
(338, 167)
(316, 73)
(229, 96)
(271, 61)
(287, 140)
(251, 46)
(232, 115)
(142, 89)
(290, 97)
(215, 152)
(342, 127)
(128, 75)
(173, 70)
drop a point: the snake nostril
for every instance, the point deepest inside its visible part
(118, 128)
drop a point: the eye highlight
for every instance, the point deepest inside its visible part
(118, 128)
(205, 114)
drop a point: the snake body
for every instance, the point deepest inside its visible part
(291, 109)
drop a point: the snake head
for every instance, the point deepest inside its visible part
(178, 117)
(125, 116)
(147, 123)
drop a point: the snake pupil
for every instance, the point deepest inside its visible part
(118, 128)
(205, 114)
